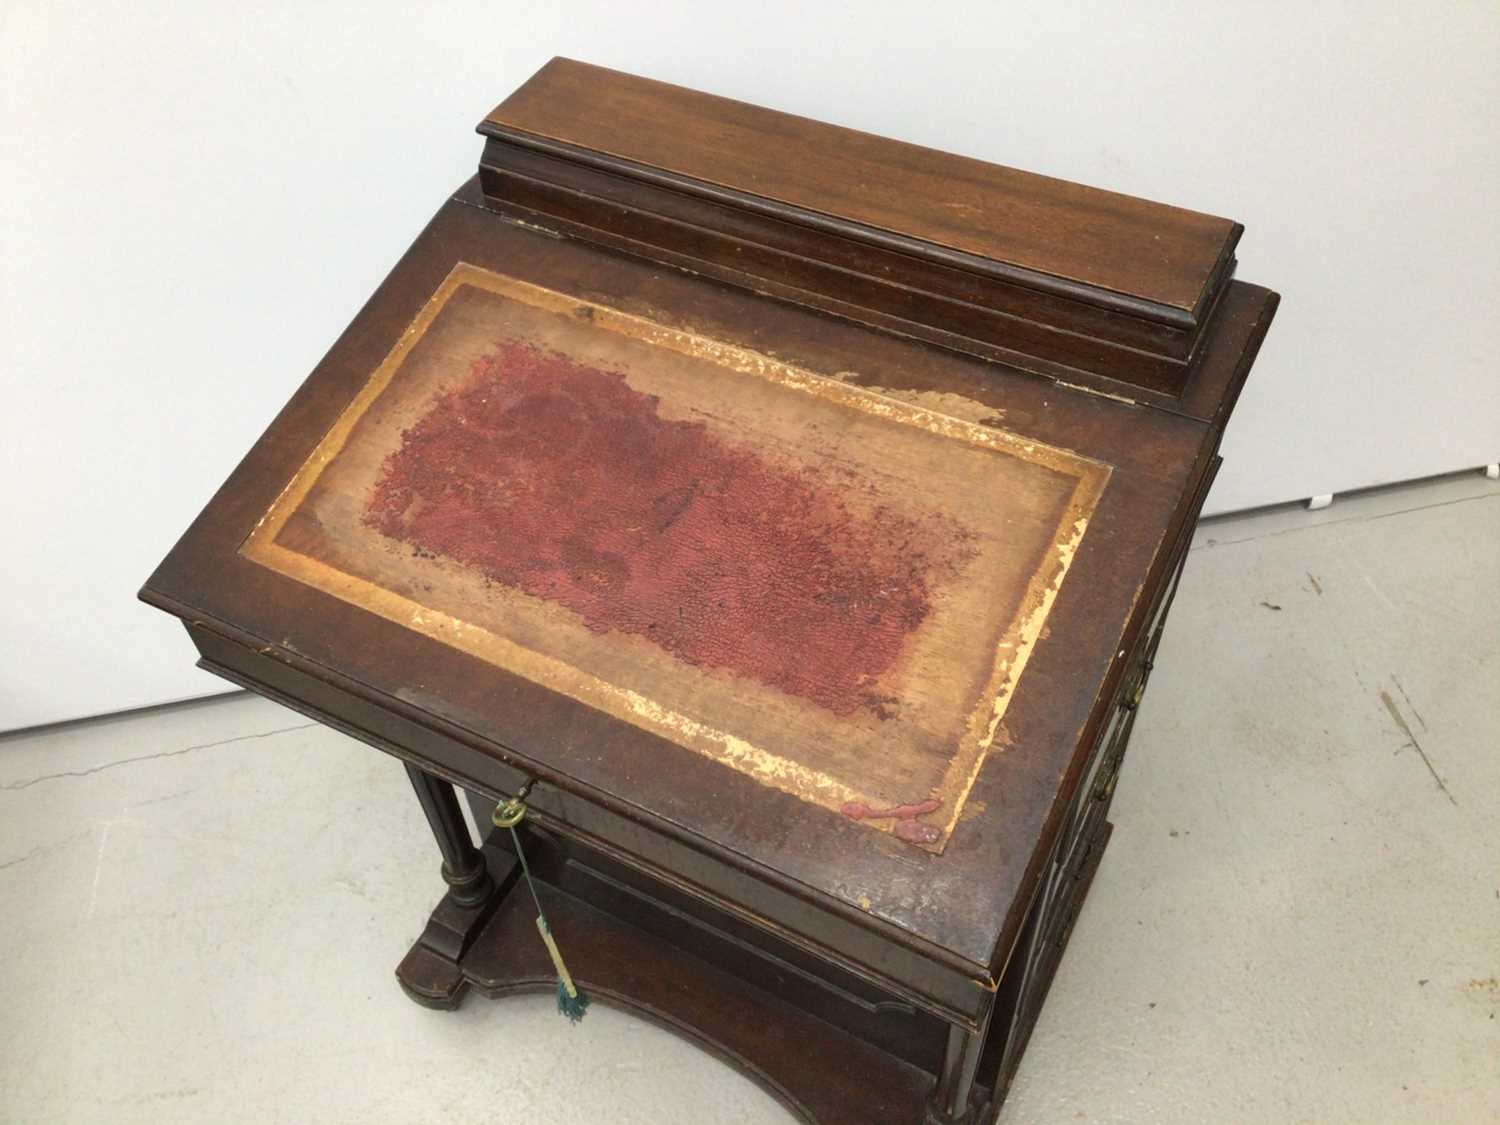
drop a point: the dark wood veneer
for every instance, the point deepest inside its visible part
(857, 976)
(1055, 277)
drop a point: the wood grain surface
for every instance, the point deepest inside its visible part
(1153, 252)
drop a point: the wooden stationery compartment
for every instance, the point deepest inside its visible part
(1067, 281)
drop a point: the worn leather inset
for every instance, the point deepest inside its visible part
(559, 479)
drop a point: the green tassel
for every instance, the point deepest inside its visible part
(572, 1004)
(571, 1000)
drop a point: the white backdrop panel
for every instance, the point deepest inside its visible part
(196, 198)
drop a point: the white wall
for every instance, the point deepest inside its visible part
(195, 198)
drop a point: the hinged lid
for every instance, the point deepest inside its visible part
(1053, 276)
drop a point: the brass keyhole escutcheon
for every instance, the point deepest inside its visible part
(510, 813)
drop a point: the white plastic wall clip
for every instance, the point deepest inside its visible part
(1316, 502)
(1492, 471)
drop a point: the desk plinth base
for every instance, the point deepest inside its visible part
(432, 972)
(823, 1073)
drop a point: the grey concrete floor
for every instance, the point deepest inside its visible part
(1298, 918)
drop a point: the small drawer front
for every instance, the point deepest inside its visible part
(1096, 789)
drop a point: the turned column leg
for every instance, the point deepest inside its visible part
(951, 1100)
(464, 869)
(482, 809)
(432, 971)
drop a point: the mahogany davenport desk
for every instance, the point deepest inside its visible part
(792, 514)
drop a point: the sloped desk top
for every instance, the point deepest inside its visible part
(737, 572)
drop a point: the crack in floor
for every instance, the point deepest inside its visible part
(1207, 541)
(152, 757)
